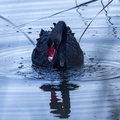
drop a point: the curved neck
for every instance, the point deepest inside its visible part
(60, 31)
(60, 34)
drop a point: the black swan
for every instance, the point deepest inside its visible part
(57, 48)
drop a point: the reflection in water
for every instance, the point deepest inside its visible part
(106, 13)
(80, 14)
(49, 16)
(60, 108)
(109, 22)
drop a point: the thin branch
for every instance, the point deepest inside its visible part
(93, 19)
(18, 29)
(58, 13)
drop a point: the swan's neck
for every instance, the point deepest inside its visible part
(60, 31)
(58, 36)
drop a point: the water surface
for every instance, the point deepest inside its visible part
(91, 91)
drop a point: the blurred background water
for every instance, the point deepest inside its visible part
(91, 91)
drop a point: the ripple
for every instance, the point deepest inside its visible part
(17, 61)
(91, 91)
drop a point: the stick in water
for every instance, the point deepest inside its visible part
(92, 20)
(5, 19)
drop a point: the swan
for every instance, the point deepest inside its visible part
(57, 48)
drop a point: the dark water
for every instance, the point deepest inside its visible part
(91, 91)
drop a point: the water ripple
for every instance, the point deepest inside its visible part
(18, 62)
(91, 91)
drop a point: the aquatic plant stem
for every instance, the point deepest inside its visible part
(93, 20)
(57, 13)
(18, 29)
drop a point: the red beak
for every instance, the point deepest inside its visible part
(51, 53)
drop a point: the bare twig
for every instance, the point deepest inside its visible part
(58, 13)
(93, 19)
(17, 28)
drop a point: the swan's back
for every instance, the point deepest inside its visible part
(74, 53)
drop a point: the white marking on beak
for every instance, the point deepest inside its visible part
(50, 59)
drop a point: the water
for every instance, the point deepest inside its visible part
(91, 91)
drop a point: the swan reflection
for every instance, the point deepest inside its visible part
(60, 106)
